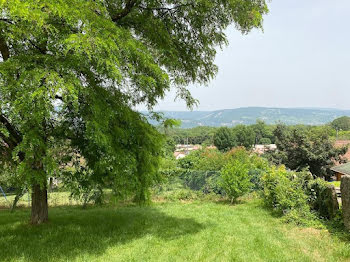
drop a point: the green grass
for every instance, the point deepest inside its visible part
(335, 183)
(54, 199)
(198, 231)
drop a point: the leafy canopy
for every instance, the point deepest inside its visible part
(73, 70)
(299, 148)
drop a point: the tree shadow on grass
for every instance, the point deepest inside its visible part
(72, 231)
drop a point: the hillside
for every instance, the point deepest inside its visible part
(249, 115)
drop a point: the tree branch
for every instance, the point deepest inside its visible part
(59, 97)
(6, 21)
(5, 140)
(41, 50)
(4, 49)
(16, 137)
(169, 9)
(130, 4)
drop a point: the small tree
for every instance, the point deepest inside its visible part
(235, 179)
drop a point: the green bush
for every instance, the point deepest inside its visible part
(235, 179)
(181, 194)
(285, 192)
(259, 166)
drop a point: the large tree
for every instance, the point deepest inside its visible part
(245, 135)
(302, 147)
(224, 139)
(72, 71)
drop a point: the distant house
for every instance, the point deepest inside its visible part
(261, 149)
(183, 150)
(179, 155)
(341, 170)
(187, 147)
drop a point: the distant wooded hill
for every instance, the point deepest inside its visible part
(249, 115)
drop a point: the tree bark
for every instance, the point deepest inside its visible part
(40, 213)
(19, 194)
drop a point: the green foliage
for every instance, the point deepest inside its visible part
(170, 123)
(169, 147)
(244, 135)
(241, 135)
(265, 141)
(70, 78)
(210, 160)
(343, 135)
(82, 187)
(285, 192)
(341, 123)
(298, 196)
(202, 170)
(263, 132)
(196, 135)
(259, 166)
(190, 160)
(224, 139)
(235, 179)
(302, 147)
(199, 171)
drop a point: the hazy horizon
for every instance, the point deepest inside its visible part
(300, 61)
(266, 107)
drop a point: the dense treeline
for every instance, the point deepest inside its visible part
(298, 147)
(249, 135)
(244, 135)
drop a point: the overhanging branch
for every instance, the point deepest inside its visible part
(4, 49)
(15, 136)
(130, 4)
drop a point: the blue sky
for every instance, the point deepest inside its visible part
(302, 59)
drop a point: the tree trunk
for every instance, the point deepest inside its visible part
(19, 194)
(40, 212)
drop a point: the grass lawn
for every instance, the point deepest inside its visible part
(199, 231)
(335, 183)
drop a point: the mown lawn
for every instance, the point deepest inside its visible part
(200, 231)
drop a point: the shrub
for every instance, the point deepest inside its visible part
(212, 184)
(259, 166)
(235, 179)
(181, 194)
(284, 191)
